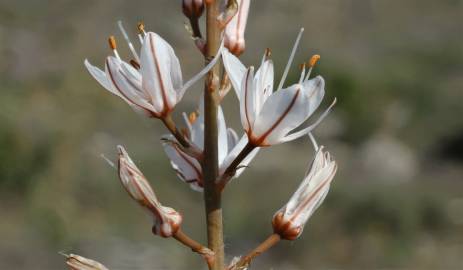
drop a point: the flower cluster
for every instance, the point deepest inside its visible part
(152, 84)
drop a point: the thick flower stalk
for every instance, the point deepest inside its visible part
(290, 220)
(207, 153)
(166, 220)
(76, 262)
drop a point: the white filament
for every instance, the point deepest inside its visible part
(108, 161)
(301, 79)
(308, 74)
(116, 54)
(314, 142)
(127, 39)
(290, 60)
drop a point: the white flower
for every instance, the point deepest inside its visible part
(289, 221)
(76, 262)
(151, 83)
(188, 168)
(166, 220)
(268, 117)
(234, 31)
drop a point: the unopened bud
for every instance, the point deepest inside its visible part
(193, 8)
(234, 31)
(166, 220)
(289, 221)
(76, 262)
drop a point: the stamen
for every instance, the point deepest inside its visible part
(127, 39)
(108, 160)
(192, 117)
(302, 67)
(290, 60)
(266, 56)
(113, 46)
(314, 142)
(312, 62)
(141, 31)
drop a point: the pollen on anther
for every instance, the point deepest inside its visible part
(302, 66)
(313, 60)
(141, 27)
(268, 52)
(192, 117)
(112, 42)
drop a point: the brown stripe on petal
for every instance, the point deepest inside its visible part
(312, 196)
(124, 95)
(161, 82)
(246, 88)
(185, 158)
(260, 141)
(145, 201)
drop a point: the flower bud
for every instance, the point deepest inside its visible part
(193, 8)
(166, 220)
(76, 262)
(289, 221)
(234, 31)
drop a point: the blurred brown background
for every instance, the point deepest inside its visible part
(396, 68)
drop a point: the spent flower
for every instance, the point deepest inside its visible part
(289, 221)
(76, 262)
(236, 27)
(166, 220)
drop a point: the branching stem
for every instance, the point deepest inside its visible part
(206, 253)
(264, 246)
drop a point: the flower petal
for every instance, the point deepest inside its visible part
(125, 86)
(100, 76)
(306, 130)
(235, 70)
(222, 135)
(234, 152)
(247, 101)
(232, 138)
(203, 72)
(160, 70)
(264, 83)
(188, 169)
(287, 109)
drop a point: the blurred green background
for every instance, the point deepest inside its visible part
(396, 68)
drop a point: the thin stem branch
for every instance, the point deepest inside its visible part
(206, 253)
(187, 147)
(210, 166)
(264, 246)
(194, 22)
(231, 169)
